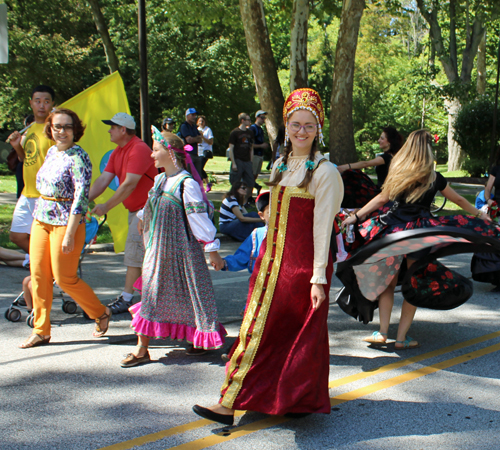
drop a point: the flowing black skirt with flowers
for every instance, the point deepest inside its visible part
(414, 233)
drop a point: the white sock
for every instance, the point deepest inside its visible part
(26, 260)
(127, 297)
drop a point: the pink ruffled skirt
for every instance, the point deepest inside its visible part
(175, 331)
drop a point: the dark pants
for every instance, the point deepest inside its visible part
(240, 230)
(19, 178)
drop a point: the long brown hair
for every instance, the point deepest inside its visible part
(412, 169)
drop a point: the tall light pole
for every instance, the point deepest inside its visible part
(143, 61)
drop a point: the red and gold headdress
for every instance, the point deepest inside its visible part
(308, 99)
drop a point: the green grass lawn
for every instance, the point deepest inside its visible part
(8, 183)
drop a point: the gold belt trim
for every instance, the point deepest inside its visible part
(56, 199)
(254, 322)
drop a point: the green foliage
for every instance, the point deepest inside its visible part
(473, 127)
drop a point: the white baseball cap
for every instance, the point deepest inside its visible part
(122, 120)
(260, 112)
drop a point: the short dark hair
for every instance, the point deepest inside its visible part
(78, 127)
(130, 132)
(44, 88)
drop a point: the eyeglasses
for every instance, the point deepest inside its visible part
(67, 127)
(242, 187)
(309, 128)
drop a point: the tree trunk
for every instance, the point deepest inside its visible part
(342, 146)
(102, 28)
(481, 66)
(455, 153)
(298, 45)
(263, 64)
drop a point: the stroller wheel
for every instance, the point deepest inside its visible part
(30, 320)
(69, 307)
(13, 314)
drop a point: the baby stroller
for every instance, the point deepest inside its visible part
(69, 306)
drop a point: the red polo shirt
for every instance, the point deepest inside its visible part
(135, 157)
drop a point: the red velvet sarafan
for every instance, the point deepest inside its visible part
(280, 363)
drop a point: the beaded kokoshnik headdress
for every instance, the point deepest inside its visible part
(309, 100)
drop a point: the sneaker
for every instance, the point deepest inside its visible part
(209, 187)
(131, 360)
(119, 305)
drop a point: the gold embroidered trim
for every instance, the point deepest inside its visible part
(258, 309)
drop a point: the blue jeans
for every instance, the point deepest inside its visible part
(240, 230)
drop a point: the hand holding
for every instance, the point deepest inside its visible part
(14, 139)
(216, 261)
(100, 209)
(351, 220)
(317, 295)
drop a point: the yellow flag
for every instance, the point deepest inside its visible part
(101, 102)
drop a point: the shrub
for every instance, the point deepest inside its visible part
(473, 126)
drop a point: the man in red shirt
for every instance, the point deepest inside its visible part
(131, 162)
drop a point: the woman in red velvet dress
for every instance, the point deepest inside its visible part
(280, 362)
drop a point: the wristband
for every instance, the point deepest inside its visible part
(478, 214)
(357, 218)
(349, 166)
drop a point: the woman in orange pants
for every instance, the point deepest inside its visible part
(58, 231)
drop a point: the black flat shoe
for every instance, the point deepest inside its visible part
(296, 415)
(210, 415)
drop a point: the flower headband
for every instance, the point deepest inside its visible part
(158, 137)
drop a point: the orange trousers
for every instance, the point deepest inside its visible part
(48, 262)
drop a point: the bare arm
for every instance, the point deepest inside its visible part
(100, 185)
(208, 141)
(456, 198)
(15, 140)
(378, 161)
(374, 204)
(236, 211)
(488, 188)
(68, 243)
(193, 140)
(121, 194)
(231, 157)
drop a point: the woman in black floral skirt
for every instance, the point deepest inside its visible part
(411, 184)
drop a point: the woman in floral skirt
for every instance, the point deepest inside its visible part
(411, 184)
(178, 299)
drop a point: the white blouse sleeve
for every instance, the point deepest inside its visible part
(328, 191)
(196, 210)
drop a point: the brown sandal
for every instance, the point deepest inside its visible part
(99, 332)
(35, 340)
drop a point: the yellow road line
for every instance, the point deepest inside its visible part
(336, 383)
(220, 438)
(412, 360)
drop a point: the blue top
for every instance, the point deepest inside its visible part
(481, 200)
(247, 253)
(189, 130)
(258, 133)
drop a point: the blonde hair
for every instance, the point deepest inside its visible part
(176, 142)
(411, 172)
